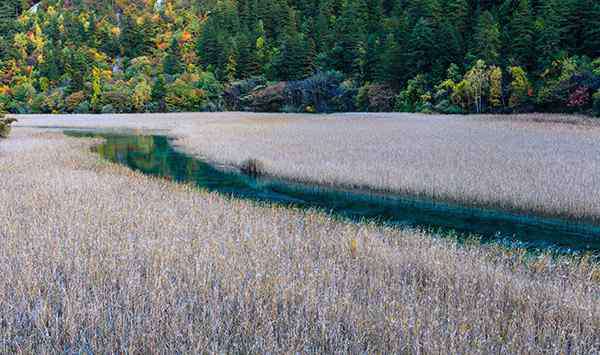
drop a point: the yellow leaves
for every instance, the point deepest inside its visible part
(96, 85)
(106, 74)
(84, 20)
(353, 247)
(116, 31)
(4, 90)
(141, 95)
(185, 36)
(51, 11)
(495, 74)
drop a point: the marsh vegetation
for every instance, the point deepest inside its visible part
(98, 258)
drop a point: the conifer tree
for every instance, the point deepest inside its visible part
(247, 64)
(591, 35)
(549, 35)
(421, 47)
(486, 39)
(210, 48)
(291, 61)
(457, 13)
(521, 34)
(172, 64)
(349, 32)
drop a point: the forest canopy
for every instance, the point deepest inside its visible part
(449, 56)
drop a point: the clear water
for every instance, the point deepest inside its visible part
(155, 155)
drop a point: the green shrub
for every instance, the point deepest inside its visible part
(83, 107)
(375, 98)
(415, 96)
(107, 109)
(118, 95)
(194, 92)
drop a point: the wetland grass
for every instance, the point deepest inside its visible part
(97, 258)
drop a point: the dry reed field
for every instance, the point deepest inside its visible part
(543, 163)
(96, 258)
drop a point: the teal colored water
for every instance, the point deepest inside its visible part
(155, 155)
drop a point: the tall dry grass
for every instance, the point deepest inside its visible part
(96, 258)
(543, 163)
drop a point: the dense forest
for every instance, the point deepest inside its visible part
(449, 56)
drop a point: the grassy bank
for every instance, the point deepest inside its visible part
(547, 164)
(98, 258)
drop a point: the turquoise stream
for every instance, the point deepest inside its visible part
(155, 155)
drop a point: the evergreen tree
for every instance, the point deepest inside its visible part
(521, 34)
(210, 47)
(371, 60)
(158, 92)
(9, 10)
(421, 48)
(449, 48)
(349, 32)
(172, 65)
(322, 30)
(374, 17)
(549, 35)
(291, 61)
(248, 64)
(591, 35)
(457, 13)
(573, 15)
(486, 40)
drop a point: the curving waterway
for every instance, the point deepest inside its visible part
(156, 156)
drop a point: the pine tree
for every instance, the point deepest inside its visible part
(322, 29)
(449, 48)
(158, 92)
(457, 13)
(521, 34)
(549, 34)
(591, 35)
(9, 10)
(291, 61)
(310, 57)
(371, 59)
(374, 24)
(349, 33)
(486, 40)
(573, 14)
(392, 63)
(172, 64)
(421, 47)
(210, 47)
(247, 59)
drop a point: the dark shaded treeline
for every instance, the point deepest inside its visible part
(406, 55)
